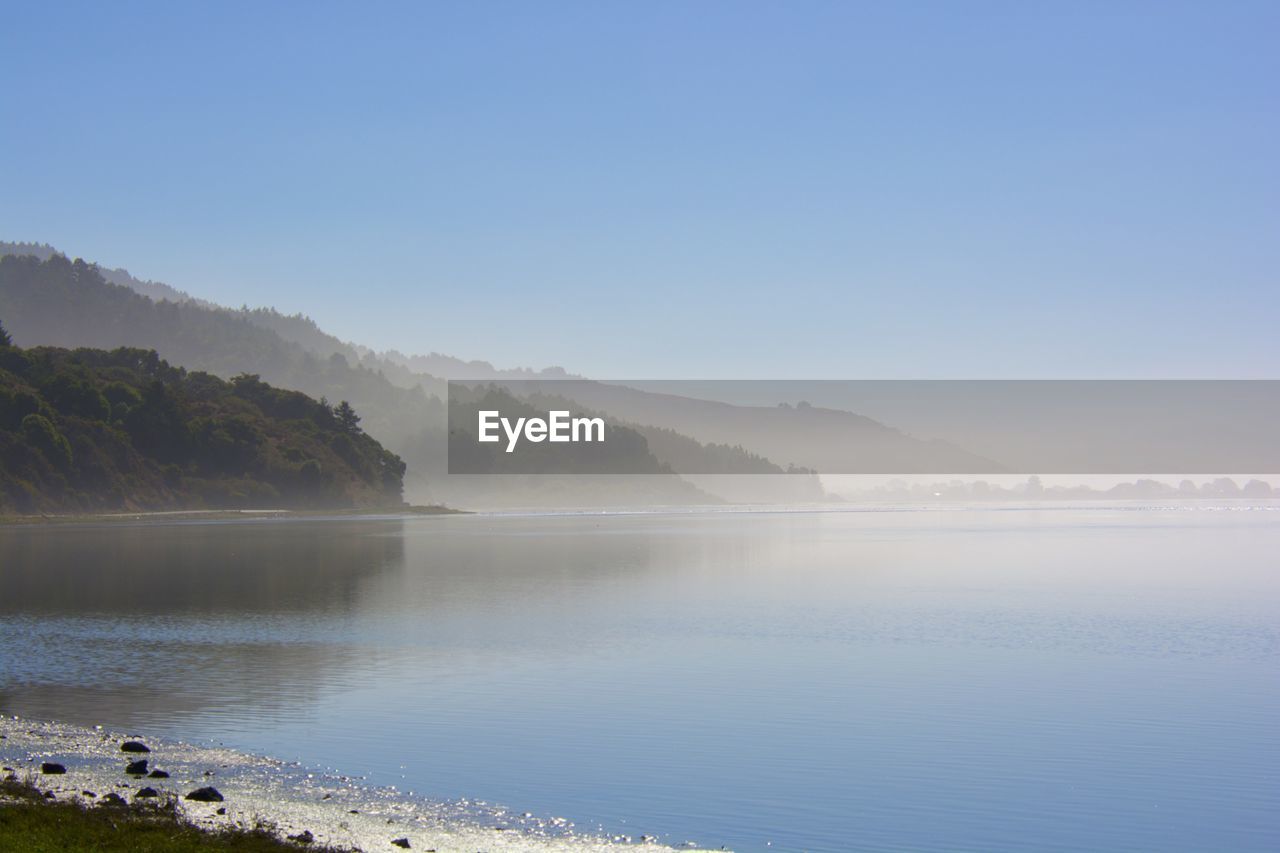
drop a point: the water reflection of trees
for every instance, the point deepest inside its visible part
(202, 625)
(192, 568)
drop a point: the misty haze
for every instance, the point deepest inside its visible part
(571, 427)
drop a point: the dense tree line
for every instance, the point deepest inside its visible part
(92, 429)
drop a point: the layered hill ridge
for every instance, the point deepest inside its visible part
(809, 437)
(45, 298)
(68, 303)
(405, 370)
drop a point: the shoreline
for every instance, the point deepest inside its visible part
(334, 810)
(180, 515)
(188, 516)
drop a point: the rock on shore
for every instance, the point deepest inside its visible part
(334, 810)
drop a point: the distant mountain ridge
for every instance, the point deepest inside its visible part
(809, 437)
(68, 303)
(74, 304)
(154, 289)
(302, 330)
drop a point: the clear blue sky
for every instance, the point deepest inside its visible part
(692, 189)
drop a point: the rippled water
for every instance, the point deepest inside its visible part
(1096, 677)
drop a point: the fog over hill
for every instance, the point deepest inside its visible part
(811, 437)
(804, 438)
(155, 289)
(405, 370)
(711, 440)
(67, 303)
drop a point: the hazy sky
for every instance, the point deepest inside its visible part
(692, 189)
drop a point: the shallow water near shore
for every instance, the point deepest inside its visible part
(286, 797)
(1049, 677)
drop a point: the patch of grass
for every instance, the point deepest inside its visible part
(30, 823)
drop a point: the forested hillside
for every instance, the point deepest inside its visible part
(59, 302)
(154, 289)
(47, 299)
(89, 429)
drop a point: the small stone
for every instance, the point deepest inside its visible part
(158, 774)
(136, 768)
(88, 793)
(222, 810)
(52, 768)
(134, 746)
(112, 799)
(205, 795)
(401, 842)
(49, 795)
(304, 837)
(147, 792)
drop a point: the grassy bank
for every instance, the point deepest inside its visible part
(30, 823)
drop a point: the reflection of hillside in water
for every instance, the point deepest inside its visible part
(277, 567)
(144, 624)
(154, 625)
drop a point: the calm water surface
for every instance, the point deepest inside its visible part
(1099, 678)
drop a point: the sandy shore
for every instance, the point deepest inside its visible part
(336, 810)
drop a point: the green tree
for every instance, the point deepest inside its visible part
(348, 420)
(121, 398)
(16, 405)
(157, 425)
(44, 436)
(5, 340)
(73, 393)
